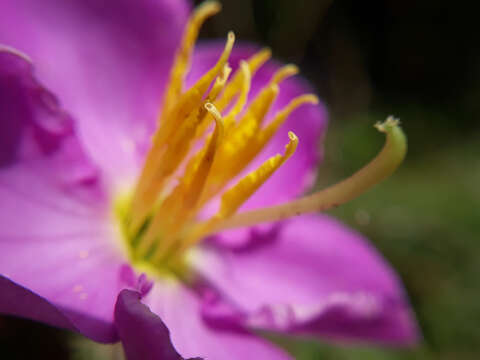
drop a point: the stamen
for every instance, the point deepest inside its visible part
(182, 203)
(233, 198)
(243, 95)
(236, 196)
(245, 143)
(219, 83)
(191, 199)
(169, 146)
(381, 167)
(261, 104)
(235, 84)
(192, 98)
(259, 107)
(212, 96)
(267, 133)
(182, 59)
(161, 221)
(284, 72)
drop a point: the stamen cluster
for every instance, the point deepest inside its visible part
(177, 181)
(206, 137)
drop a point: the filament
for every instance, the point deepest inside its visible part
(381, 167)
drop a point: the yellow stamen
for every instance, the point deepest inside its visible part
(240, 144)
(237, 142)
(162, 218)
(236, 196)
(284, 72)
(260, 105)
(220, 83)
(262, 102)
(381, 167)
(234, 85)
(244, 89)
(233, 198)
(267, 133)
(182, 59)
(195, 184)
(159, 164)
(192, 98)
(212, 96)
(182, 203)
(246, 143)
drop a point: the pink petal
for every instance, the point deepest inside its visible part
(180, 309)
(58, 244)
(107, 60)
(143, 334)
(313, 277)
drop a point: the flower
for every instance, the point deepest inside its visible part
(90, 199)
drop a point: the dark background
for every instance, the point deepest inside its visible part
(418, 60)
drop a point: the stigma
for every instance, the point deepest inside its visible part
(205, 139)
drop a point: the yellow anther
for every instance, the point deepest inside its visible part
(182, 204)
(265, 135)
(192, 98)
(243, 143)
(248, 141)
(236, 152)
(171, 157)
(262, 102)
(292, 145)
(182, 59)
(284, 72)
(259, 107)
(235, 85)
(219, 82)
(258, 59)
(233, 198)
(236, 196)
(212, 95)
(194, 181)
(229, 119)
(243, 95)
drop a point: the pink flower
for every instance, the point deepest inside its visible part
(89, 200)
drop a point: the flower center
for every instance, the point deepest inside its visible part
(206, 136)
(179, 178)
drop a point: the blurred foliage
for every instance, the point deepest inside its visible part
(418, 60)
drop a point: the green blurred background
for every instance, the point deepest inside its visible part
(417, 60)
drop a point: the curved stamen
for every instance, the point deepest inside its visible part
(182, 59)
(381, 167)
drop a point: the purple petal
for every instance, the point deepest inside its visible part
(313, 277)
(308, 122)
(19, 301)
(57, 238)
(16, 300)
(33, 124)
(143, 334)
(180, 310)
(107, 60)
